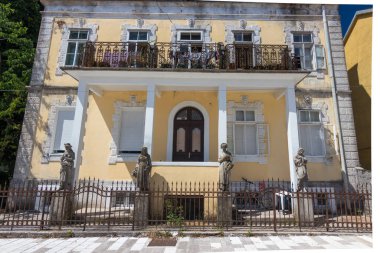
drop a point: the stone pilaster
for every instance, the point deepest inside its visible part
(42, 51)
(344, 101)
(28, 132)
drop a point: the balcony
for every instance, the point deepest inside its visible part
(205, 57)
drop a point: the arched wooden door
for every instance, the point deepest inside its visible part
(188, 135)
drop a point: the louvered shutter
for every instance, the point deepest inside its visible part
(132, 131)
(64, 128)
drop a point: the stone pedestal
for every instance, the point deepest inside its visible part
(224, 216)
(61, 208)
(303, 208)
(141, 210)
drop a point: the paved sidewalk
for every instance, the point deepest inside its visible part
(186, 244)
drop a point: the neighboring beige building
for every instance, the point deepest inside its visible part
(358, 50)
(182, 77)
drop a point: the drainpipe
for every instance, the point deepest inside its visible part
(334, 96)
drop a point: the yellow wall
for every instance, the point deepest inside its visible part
(99, 124)
(358, 49)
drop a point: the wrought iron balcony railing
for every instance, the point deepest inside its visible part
(186, 56)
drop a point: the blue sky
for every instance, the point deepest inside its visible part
(347, 12)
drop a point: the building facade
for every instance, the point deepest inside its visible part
(358, 50)
(183, 77)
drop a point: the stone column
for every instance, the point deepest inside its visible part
(222, 120)
(149, 117)
(61, 207)
(224, 215)
(141, 210)
(292, 131)
(302, 203)
(78, 125)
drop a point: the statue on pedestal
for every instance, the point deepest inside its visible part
(300, 162)
(142, 170)
(225, 167)
(67, 168)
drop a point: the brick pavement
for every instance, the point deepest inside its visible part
(185, 244)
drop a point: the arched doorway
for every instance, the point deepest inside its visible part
(188, 135)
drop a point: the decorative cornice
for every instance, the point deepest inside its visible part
(242, 26)
(191, 25)
(126, 28)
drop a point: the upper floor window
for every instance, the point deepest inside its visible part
(310, 55)
(311, 132)
(190, 36)
(303, 48)
(242, 37)
(138, 36)
(245, 132)
(76, 42)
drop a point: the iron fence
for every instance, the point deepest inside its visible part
(271, 205)
(186, 56)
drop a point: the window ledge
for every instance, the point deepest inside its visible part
(55, 157)
(250, 158)
(316, 159)
(127, 158)
(199, 164)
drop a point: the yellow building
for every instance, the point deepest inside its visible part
(181, 78)
(358, 49)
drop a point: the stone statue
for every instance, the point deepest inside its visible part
(67, 168)
(300, 162)
(142, 170)
(225, 167)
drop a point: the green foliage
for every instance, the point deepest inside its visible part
(70, 233)
(174, 214)
(16, 60)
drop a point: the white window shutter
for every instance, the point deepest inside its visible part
(312, 139)
(256, 39)
(320, 57)
(250, 140)
(239, 140)
(132, 130)
(64, 127)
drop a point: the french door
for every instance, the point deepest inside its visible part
(188, 135)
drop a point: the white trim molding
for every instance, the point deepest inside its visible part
(262, 130)
(114, 156)
(242, 27)
(50, 128)
(173, 112)
(65, 30)
(151, 29)
(191, 26)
